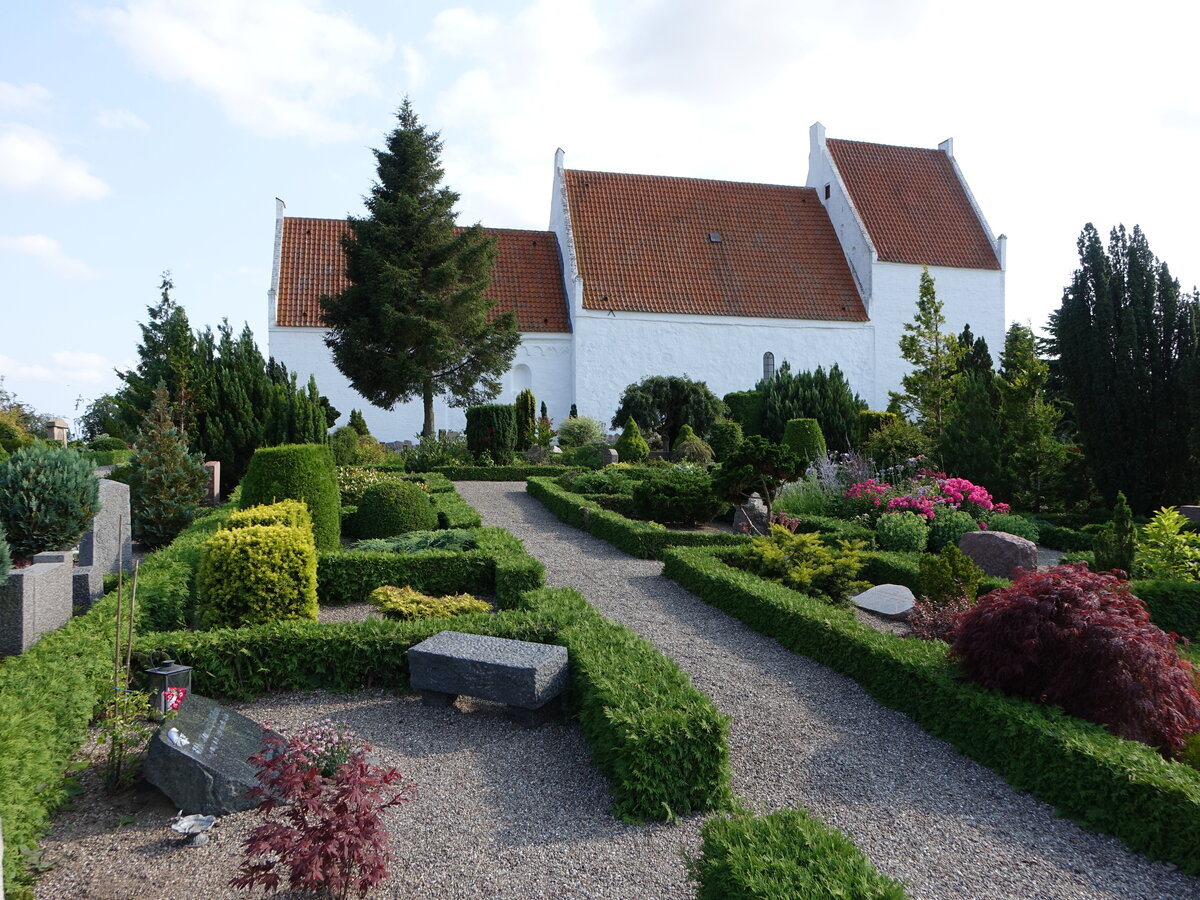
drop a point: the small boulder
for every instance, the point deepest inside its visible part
(892, 601)
(751, 517)
(997, 553)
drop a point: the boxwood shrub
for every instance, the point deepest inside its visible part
(299, 472)
(393, 507)
(257, 573)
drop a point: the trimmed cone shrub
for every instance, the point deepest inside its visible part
(257, 574)
(1082, 641)
(407, 603)
(903, 531)
(48, 498)
(631, 446)
(525, 410)
(725, 439)
(393, 507)
(803, 437)
(677, 495)
(492, 432)
(298, 472)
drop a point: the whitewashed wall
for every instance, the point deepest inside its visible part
(546, 359)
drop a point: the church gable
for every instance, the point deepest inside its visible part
(692, 246)
(526, 279)
(913, 205)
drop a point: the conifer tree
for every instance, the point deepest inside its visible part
(1125, 338)
(525, 405)
(166, 484)
(358, 423)
(970, 442)
(414, 321)
(935, 356)
(1032, 454)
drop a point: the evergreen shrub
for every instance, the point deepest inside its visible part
(1115, 544)
(870, 421)
(393, 507)
(455, 539)
(690, 448)
(746, 408)
(292, 513)
(631, 446)
(677, 495)
(805, 563)
(803, 437)
(48, 498)
(104, 442)
(406, 603)
(578, 431)
(903, 531)
(588, 456)
(1009, 523)
(949, 575)
(257, 574)
(343, 443)
(166, 480)
(492, 432)
(1165, 550)
(525, 411)
(725, 438)
(298, 472)
(895, 443)
(948, 526)
(358, 423)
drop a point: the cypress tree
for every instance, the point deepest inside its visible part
(970, 442)
(358, 423)
(525, 406)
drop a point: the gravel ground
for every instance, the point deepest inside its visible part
(506, 812)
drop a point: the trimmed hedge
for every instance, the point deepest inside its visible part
(393, 507)
(747, 408)
(107, 457)
(661, 742)
(492, 432)
(500, 566)
(257, 573)
(501, 473)
(299, 472)
(453, 511)
(1104, 782)
(1059, 537)
(784, 855)
(645, 540)
(1174, 605)
(290, 513)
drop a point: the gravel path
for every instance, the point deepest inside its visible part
(803, 735)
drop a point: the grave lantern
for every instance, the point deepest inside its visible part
(169, 684)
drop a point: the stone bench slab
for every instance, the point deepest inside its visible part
(522, 674)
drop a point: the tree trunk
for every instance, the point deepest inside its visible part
(427, 430)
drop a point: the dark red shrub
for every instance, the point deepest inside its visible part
(932, 621)
(332, 838)
(1080, 640)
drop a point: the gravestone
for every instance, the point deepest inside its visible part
(212, 487)
(1191, 513)
(892, 601)
(200, 758)
(751, 517)
(998, 553)
(105, 545)
(609, 456)
(34, 600)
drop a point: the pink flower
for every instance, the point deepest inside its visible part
(173, 696)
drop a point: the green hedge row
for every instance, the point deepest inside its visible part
(646, 540)
(453, 511)
(1102, 781)
(660, 741)
(1174, 605)
(784, 855)
(107, 457)
(840, 528)
(501, 473)
(498, 566)
(1059, 537)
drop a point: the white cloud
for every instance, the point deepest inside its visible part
(22, 97)
(62, 367)
(49, 253)
(281, 68)
(31, 163)
(120, 120)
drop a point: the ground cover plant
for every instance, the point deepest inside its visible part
(406, 603)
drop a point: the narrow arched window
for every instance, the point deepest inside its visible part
(768, 366)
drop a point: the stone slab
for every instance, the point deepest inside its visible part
(212, 486)
(609, 456)
(87, 585)
(200, 758)
(109, 541)
(34, 600)
(520, 673)
(998, 553)
(1191, 513)
(893, 601)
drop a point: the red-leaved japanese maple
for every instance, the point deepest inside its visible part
(1080, 640)
(330, 838)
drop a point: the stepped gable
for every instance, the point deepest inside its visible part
(527, 277)
(712, 248)
(915, 207)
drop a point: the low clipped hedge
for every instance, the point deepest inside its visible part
(501, 473)
(661, 742)
(1174, 605)
(107, 457)
(784, 855)
(393, 507)
(453, 511)
(1059, 537)
(1102, 781)
(499, 566)
(645, 540)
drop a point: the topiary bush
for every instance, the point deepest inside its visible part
(1115, 544)
(104, 442)
(1014, 524)
(492, 432)
(298, 472)
(725, 438)
(578, 431)
(677, 495)
(393, 507)
(1080, 640)
(292, 513)
(407, 603)
(870, 421)
(343, 443)
(48, 498)
(257, 574)
(691, 449)
(631, 446)
(948, 526)
(804, 438)
(902, 531)
(747, 408)
(525, 411)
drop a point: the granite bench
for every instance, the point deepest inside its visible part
(529, 678)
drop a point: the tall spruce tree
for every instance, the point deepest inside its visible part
(1125, 338)
(1032, 455)
(935, 356)
(414, 321)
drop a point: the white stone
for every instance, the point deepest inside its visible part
(893, 601)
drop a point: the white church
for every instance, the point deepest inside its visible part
(720, 281)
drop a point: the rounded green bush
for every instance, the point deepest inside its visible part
(343, 444)
(1013, 524)
(257, 574)
(579, 431)
(677, 495)
(948, 526)
(905, 531)
(631, 446)
(104, 442)
(803, 437)
(690, 448)
(48, 498)
(297, 472)
(393, 507)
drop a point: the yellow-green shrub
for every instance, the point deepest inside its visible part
(407, 603)
(291, 513)
(257, 574)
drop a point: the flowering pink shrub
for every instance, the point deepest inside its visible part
(921, 505)
(925, 494)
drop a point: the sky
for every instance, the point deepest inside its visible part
(144, 136)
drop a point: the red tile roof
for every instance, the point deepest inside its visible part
(913, 204)
(527, 277)
(717, 248)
